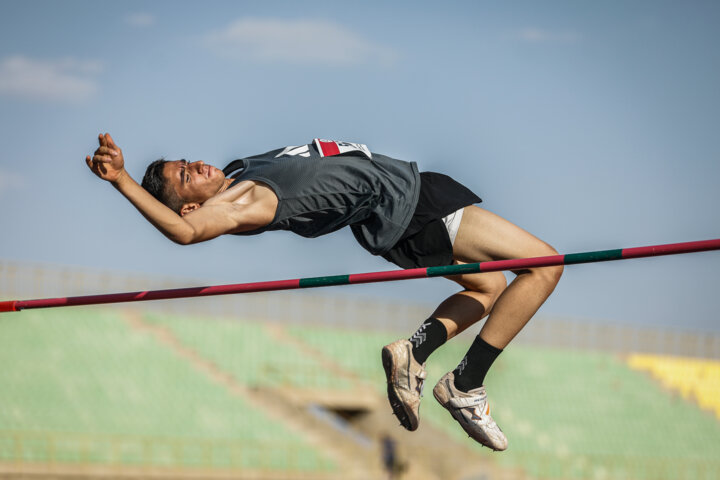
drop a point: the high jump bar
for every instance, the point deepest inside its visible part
(385, 276)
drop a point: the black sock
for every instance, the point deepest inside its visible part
(471, 372)
(427, 339)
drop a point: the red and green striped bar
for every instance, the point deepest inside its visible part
(386, 276)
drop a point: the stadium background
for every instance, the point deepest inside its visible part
(290, 386)
(592, 125)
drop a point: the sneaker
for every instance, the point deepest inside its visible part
(472, 412)
(405, 378)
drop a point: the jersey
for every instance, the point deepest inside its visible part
(326, 185)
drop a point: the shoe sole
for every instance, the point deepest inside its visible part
(395, 403)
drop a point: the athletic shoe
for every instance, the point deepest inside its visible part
(405, 378)
(472, 412)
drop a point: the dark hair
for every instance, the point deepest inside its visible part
(155, 183)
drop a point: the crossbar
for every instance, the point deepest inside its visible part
(371, 277)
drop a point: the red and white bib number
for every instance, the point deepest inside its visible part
(327, 148)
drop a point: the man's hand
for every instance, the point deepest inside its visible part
(107, 162)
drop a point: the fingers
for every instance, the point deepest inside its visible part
(104, 155)
(101, 163)
(102, 158)
(97, 166)
(99, 158)
(107, 145)
(106, 151)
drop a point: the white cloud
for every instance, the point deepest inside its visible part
(296, 41)
(140, 20)
(66, 79)
(539, 35)
(9, 181)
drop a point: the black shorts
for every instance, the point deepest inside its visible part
(426, 242)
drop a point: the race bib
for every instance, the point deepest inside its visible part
(328, 148)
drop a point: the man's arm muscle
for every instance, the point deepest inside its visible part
(244, 207)
(234, 210)
(170, 224)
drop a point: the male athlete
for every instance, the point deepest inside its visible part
(412, 219)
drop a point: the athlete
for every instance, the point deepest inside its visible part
(412, 219)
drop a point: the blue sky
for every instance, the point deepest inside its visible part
(591, 124)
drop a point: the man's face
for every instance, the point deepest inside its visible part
(193, 182)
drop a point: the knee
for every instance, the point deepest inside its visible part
(491, 284)
(498, 283)
(550, 275)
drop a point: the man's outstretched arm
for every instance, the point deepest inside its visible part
(218, 218)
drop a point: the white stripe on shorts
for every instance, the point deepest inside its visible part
(452, 223)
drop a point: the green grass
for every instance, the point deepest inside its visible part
(70, 375)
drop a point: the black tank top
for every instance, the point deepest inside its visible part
(321, 190)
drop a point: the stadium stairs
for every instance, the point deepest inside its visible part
(363, 414)
(278, 404)
(102, 394)
(345, 423)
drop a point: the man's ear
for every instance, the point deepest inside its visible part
(188, 207)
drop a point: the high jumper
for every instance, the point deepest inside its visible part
(411, 219)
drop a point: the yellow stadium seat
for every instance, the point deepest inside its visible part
(692, 378)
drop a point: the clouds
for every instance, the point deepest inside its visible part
(140, 20)
(63, 80)
(267, 40)
(296, 41)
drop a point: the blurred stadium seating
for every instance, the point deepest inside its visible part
(262, 395)
(695, 379)
(83, 386)
(567, 413)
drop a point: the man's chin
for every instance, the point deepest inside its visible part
(215, 174)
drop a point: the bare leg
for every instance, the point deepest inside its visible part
(403, 360)
(465, 308)
(484, 236)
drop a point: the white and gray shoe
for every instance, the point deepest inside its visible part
(405, 379)
(472, 412)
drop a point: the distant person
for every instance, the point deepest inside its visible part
(409, 218)
(392, 464)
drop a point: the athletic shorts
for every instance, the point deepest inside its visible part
(426, 241)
